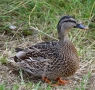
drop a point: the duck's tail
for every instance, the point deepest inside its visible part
(11, 59)
(18, 49)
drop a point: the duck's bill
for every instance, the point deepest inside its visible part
(81, 26)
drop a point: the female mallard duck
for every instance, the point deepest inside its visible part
(52, 60)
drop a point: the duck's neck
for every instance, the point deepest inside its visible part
(63, 36)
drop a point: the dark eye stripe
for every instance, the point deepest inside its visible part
(69, 21)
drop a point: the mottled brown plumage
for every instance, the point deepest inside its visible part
(53, 59)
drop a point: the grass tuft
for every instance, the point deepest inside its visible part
(3, 60)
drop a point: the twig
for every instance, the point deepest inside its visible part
(33, 28)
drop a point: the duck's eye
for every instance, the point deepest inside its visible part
(69, 21)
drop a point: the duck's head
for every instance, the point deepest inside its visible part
(66, 23)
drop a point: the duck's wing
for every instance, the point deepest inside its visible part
(37, 52)
(36, 58)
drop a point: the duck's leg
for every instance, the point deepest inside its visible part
(46, 79)
(60, 82)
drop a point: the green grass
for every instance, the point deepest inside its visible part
(24, 86)
(3, 60)
(43, 15)
(84, 82)
(28, 86)
(2, 87)
(38, 86)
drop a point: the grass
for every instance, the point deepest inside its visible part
(84, 82)
(40, 17)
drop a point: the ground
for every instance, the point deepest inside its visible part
(26, 22)
(84, 78)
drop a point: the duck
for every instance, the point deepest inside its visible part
(52, 60)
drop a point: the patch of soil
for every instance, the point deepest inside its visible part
(10, 75)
